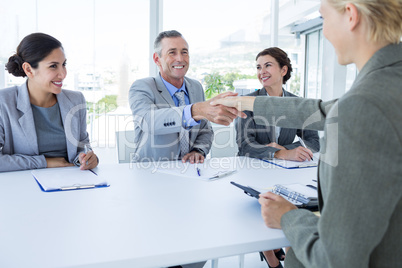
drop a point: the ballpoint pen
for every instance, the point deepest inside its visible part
(223, 174)
(304, 145)
(198, 171)
(87, 149)
(312, 186)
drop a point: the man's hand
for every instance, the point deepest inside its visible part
(297, 154)
(216, 113)
(245, 103)
(193, 157)
(273, 207)
(88, 160)
(53, 162)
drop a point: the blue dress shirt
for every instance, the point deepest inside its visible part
(187, 118)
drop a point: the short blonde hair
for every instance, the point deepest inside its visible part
(384, 17)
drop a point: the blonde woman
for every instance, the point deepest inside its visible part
(360, 173)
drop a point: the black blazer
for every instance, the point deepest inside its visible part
(252, 138)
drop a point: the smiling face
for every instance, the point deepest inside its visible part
(174, 60)
(49, 75)
(270, 73)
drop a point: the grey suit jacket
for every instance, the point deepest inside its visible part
(252, 138)
(158, 122)
(360, 170)
(18, 141)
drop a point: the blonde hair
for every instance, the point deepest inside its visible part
(384, 17)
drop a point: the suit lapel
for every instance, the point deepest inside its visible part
(192, 94)
(160, 86)
(26, 121)
(285, 132)
(271, 129)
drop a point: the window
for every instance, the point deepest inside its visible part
(224, 36)
(106, 46)
(313, 68)
(351, 73)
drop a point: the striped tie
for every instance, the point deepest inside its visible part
(184, 134)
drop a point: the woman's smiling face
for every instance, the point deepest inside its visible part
(50, 73)
(269, 72)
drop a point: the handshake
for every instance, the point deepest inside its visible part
(222, 109)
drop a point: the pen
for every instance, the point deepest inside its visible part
(223, 174)
(198, 171)
(93, 172)
(303, 144)
(311, 186)
(77, 187)
(87, 149)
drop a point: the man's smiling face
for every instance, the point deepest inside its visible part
(174, 60)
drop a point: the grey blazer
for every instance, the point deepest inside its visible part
(360, 170)
(18, 141)
(252, 138)
(158, 122)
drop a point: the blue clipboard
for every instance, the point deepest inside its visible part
(66, 179)
(291, 164)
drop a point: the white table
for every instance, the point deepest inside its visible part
(143, 219)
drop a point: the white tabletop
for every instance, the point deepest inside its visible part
(144, 219)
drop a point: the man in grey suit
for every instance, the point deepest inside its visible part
(170, 110)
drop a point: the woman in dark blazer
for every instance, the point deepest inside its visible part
(266, 141)
(42, 125)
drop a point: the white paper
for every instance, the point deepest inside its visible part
(296, 164)
(302, 189)
(66, 178)
(208, 171)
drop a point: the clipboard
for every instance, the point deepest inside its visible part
(248, 190)
(298, 199)
(288, 164)
(65, 179)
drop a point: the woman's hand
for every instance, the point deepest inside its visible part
(53, 162)
(273, 207)
(240, 103)
(88, 160)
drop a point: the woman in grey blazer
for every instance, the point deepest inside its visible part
(360, 171)
(42, 125)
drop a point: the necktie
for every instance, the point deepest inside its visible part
(184, 134)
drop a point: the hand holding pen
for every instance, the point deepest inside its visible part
(304, 145)
(88, 159)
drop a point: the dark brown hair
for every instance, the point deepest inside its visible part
(281, 57)
(32, 49)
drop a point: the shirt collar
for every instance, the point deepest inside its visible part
(283, 92)
(172, 89)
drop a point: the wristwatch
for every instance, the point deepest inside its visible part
(198, 150)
